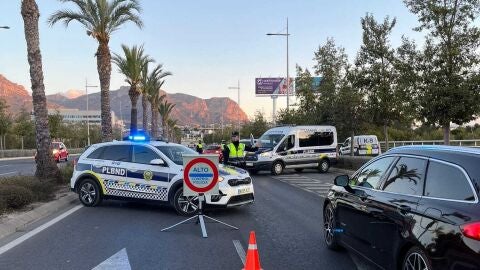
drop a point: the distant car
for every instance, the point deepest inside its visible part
(59, 152)
(414, 207)
(214, 149)
(363, 145)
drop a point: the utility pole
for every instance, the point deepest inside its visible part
(238, 101)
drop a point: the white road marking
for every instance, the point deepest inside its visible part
(1, 166)
(118, 261)
(311, 185)
(8, 173)
(37, 230)
(240, 251)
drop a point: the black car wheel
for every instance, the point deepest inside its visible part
(329, 225)
(185, 205)
(277, 168)
(89, 192)
(416, 259)
(324, 165)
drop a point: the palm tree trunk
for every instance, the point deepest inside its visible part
(133, 113)
(46, 167)
(145, 112)
(153, 128)
(446, 133)
(104, 67)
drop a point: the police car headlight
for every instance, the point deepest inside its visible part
(266, 154)
(220, 179)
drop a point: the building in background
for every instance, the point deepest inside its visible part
(94, 117)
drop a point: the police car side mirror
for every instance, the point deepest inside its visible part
(157, 162)
(341, 180)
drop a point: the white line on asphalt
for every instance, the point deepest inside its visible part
(240, 250)
(1, 166)
(37, 230)
(8, 173)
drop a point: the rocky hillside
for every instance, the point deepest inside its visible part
(189, 110)
(15, 95)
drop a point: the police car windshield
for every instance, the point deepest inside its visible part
(175, 152)
(270, 140)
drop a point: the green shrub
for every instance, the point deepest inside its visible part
(67, 172)
(41, 191)
(15, 196)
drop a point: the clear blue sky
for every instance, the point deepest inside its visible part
(208, 45)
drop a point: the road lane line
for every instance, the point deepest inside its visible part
(37, 230)
(1, 166)
(240, 251)
(8, 173)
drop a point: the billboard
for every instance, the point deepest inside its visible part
(272, 87)
(316, 81)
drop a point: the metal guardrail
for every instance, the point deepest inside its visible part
(10, 153)
(466, 143)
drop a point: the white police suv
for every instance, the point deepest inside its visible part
(150, 170)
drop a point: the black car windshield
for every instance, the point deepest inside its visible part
(270, 140)
(175, 152)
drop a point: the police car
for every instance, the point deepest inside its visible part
(150, 170)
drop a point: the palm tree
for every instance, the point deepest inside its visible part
(165, 108)
(151, 84)
(101, 18)
(132, 65)
(46, 167)
(171, 124)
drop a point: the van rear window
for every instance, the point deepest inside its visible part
(310, 139)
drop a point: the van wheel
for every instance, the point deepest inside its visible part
(277, 168)
(324, 165)
(89, 193)
(185, 205)
(299, 170)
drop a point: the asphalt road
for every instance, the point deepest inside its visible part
(286, 216)
(19, 166)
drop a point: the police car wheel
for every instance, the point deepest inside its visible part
(185, 205)
(89, 192)
(329, 224)
(277, 168)
(323, 166)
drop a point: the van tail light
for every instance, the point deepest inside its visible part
(471, 230)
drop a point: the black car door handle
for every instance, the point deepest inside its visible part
(404, 208)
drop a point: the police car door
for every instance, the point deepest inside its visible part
(151, 181)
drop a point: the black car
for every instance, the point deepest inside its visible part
(415, 207)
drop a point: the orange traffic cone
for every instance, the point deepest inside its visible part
(253, 259)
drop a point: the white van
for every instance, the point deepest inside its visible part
(295, 147)
(363, 145)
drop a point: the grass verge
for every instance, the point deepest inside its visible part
(17, 192)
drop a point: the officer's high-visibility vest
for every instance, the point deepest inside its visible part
(200, 145)
(234, 152)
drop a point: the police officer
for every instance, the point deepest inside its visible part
(233, 152)
(199, 147)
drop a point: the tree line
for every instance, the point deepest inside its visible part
(386, 89)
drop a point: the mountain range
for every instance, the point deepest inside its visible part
(189, 110)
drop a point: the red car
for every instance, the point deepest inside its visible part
(214, 149)
(59, 152)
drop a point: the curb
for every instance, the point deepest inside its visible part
(19, 222)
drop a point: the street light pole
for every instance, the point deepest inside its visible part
(88, 116)
(238, 92)
(287, 34)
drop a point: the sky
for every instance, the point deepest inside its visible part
(208, 45)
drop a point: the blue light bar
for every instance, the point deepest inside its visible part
(138, 137)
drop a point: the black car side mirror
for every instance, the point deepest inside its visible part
(342, 180)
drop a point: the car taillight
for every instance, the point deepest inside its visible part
(471, 230)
